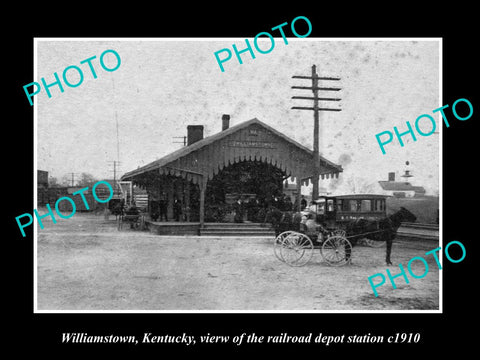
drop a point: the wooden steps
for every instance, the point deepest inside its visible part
(237, 229)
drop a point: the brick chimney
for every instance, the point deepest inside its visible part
(194, 133)
(225, 121)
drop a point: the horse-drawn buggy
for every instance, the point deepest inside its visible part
(334, 224)
(127, 215)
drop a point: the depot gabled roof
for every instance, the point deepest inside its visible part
(330, 167)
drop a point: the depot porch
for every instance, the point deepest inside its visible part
(210, 179)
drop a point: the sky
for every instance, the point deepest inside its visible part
(163, 85)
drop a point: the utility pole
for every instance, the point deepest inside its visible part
(73, 178)
(316, 109)
(116, 165)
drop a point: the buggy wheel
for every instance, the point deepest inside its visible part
(336, 250)
(296, 249)
(374, 244)
(279, 243)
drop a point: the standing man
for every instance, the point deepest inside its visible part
(177, 209)
(238, 207)
(154, 210)
(287, 205)
(275, 202)
(163, 205)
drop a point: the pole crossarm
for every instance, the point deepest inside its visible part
(316, 110)
(316, 88)
(313, 98)
(313, 77)
(312, 108)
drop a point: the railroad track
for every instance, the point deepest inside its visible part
(420, 226)
(418, 231)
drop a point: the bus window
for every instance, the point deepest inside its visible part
(330, 205)
(379, 205)
(366, 205)
(321, 208)
(353, 205)
(339, 205)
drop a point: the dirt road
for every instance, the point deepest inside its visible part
(84, 263)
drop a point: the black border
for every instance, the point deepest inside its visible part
(439, 331)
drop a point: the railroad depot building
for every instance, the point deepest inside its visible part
(202, 181)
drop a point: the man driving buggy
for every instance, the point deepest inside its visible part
(311, 225)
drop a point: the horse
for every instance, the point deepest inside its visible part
(384, 229)
(283, 220)
(117, 208)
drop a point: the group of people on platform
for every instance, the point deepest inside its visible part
(160, 212)
(252, 208)
(244, 208)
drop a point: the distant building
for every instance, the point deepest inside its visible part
(42, 187)
(250, 159)
(291, 190)
(401, 188)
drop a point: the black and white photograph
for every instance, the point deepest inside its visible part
(213, 181)
(262, 187)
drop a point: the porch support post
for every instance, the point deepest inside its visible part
(299, 194)
(187, 199)
(203, 187)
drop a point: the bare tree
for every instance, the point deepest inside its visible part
(53, 181)
(86, 179)
(358, 185)
(65, 180)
